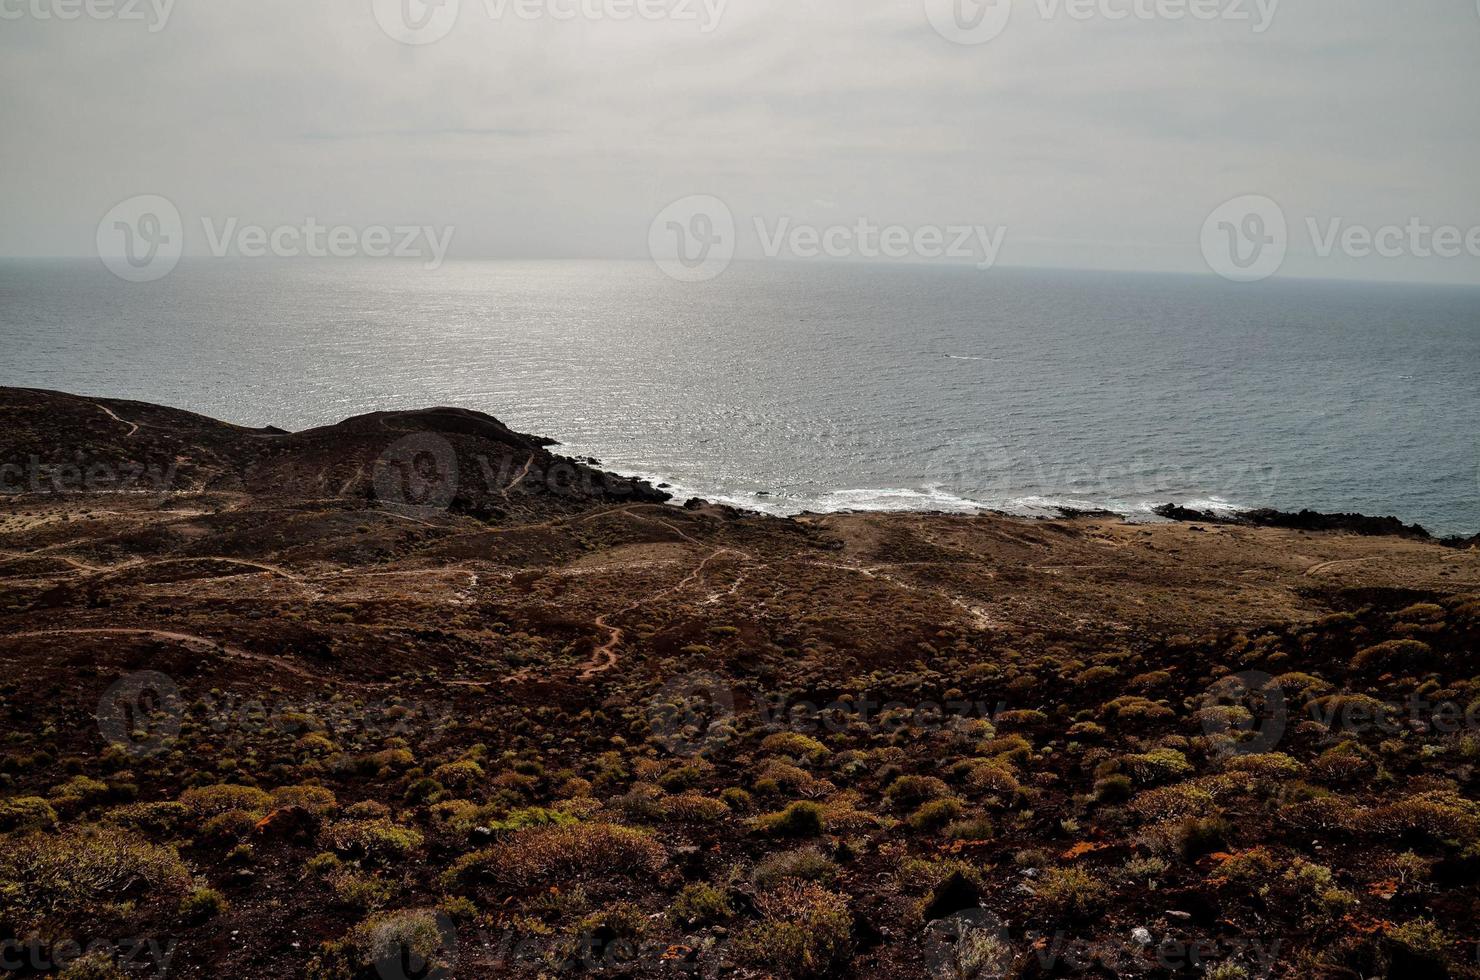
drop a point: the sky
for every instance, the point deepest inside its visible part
(1090, 133)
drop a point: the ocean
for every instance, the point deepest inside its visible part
(786, 387)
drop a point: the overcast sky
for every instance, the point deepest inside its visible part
(1095, 142)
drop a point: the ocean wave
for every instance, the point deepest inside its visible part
(929, 498)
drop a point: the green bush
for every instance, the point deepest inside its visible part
(373, 840)
(806, 931)
(936, 814)
(1072, 891)
(910, 791)
(806, 864)
(202, 904)
(700, 904)
(558, 855)
(82, 876)
(800, 819)
(209, 801)
(24, 814)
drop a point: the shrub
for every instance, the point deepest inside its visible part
(797, 745)
(202, 904)
(936, 814)
(322, 863)
(79, 790)
(700, 904)
(1203, 835)
(806, 931)
(993, 778)
(210, 801)
(1134, 710)
(1252, 869)
(1072, 891)
(1091, 676)
(1116, 788)
(909, 791)
(975, 828)
(393, 938)
(1157, 766)
(24, 814)
(1320, 814)
(1344, 763)
(1439, 816)
(1171, 802)
(1271, 766)
(801, 819)
(693, 808)
(533, 816)
(806, 864)
(1394, 655)
(1313, 888)
(315, 799)
(98, 965)
(557, 855)
(463, 774)
(368, 810)
(160, 819)
(229, 826)
(374, 840)
(81, 874)
(358, 890)
(1420, 940)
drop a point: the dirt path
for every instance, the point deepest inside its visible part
(520, 478)
(605, 658)
(196, 644)
(1327, 566)
(133, 426)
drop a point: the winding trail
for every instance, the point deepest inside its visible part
(133, 426)
(605, 658)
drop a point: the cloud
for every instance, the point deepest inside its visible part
(1097, 142)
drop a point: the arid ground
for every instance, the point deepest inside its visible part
(414, 696)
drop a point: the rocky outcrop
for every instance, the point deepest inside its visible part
(1310, 520)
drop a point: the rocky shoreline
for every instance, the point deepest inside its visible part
(1309, 520)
